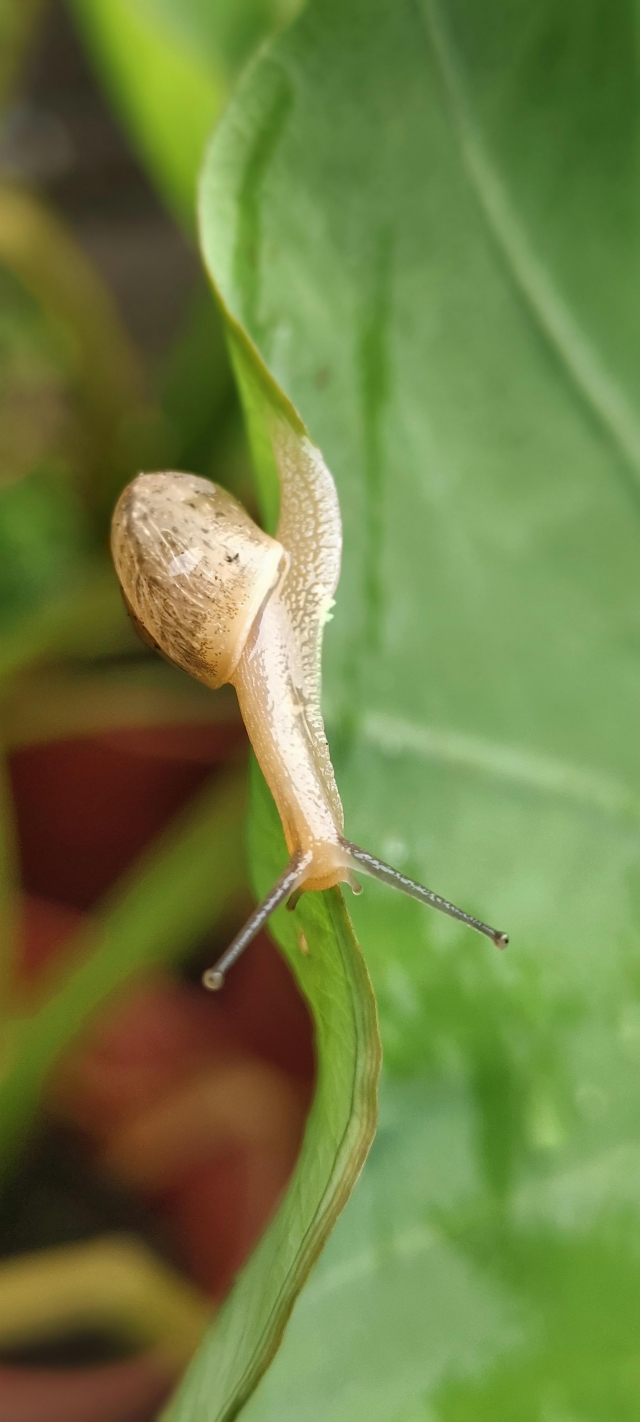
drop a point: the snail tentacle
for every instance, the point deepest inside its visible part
(377, 869)
(227, 603)
(287, 884)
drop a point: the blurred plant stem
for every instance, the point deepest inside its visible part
(17, 19)
(8, 889)
(117, 423)
(190, 878)
(197, 390)
(63, 702)
(114, 1284)
(167, 90)
(88, 619)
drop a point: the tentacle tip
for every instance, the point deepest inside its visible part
(501, 940)
(213, 979)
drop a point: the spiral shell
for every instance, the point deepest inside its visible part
(195, 570)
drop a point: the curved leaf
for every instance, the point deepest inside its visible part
(327, 962)
(426, 218)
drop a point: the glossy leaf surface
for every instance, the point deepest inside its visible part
(426, 218)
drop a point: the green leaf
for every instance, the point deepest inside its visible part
(332, 976)
(169, 66)
(426, 218)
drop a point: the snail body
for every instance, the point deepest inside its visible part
(207, 587)
(227, 603)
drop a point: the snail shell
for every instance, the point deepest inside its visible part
(195, 570)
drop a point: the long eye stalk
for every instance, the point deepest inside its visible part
(377, 869)
(291, 882)
(283, 887)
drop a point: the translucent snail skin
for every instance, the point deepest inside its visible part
(227, 603)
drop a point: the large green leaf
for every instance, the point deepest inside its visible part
(427, 219)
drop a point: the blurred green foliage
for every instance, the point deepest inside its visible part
(170, 68)
(43, 532)
(16, 24)
(80, 410)
(424, 218)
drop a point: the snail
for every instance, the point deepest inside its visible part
(226, 602)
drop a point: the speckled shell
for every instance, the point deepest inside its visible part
(194, 568)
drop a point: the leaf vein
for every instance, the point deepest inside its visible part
(516, 765)
(580, 360)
